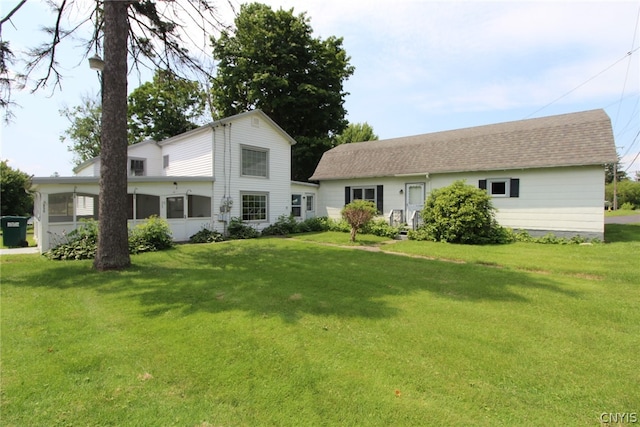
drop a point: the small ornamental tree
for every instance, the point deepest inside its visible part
(358, 213)
(461, 213)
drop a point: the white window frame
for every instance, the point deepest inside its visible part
(299, 205)
(505, 181)
(132, 172)
(246, 170)
(364, 189)
(252, 215)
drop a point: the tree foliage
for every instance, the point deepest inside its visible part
(628, 192)
(358, 214)
(356, 132)
(165, 107)
(620, 174)
(272, 62)
(15, 198)
(83, 133)
(461, 213)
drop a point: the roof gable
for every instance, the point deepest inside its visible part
(574, 139)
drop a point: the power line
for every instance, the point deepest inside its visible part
(587, 81)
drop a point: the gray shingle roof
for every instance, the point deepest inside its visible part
(575, 139)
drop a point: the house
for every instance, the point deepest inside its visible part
(544, 175)
(237, 167)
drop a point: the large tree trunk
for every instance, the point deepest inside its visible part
(113, 246)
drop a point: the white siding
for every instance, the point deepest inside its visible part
(252, 131)
(189, 155)
(151, 153)
(92, 169)
(558, 200)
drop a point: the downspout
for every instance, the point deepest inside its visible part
(135, 206)
(75, 208)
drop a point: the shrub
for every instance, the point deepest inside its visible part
(314, 224)
(206, 236)
(357, 214)
(80, 243)
(627, 206)
(461, 213)
(340, 225)
(152, 235)
(239, 230)
(380, 227)
(284, 226)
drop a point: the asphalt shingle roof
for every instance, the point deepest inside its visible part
(574, 139)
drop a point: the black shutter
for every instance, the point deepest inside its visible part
(379, 199)
(347, 195)
(482, 184)
(514, 188)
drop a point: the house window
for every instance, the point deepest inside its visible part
(501, 187)
(136, 167)
(372, 194)
(255, 162)
(254, 206)
(364, 193)
(296, 205)
(165, 161)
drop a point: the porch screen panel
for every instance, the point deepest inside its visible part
(175, 207)
(199, 207)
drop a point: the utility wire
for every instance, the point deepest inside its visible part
(587, 81)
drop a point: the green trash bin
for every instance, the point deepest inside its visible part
(14, 231)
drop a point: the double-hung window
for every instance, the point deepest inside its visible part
(364, 193)
(255, 162)
(136, 167)
(296, 205)
(373, 193)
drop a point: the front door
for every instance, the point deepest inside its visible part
(414, 199)
(175, 210)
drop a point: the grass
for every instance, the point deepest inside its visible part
(621, 212)
(307, 332)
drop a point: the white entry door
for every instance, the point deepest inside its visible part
(175, 212)
(310, 206)
(414, 200)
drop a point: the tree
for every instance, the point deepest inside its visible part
(135, 28)
(357, 214)
(165, 107)
(356, 132)
(15, 198)
(620, 174)
(84, 132)
(273, 63)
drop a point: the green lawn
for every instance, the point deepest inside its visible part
(621, 212)
(305, 331)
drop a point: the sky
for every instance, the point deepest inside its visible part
(420, 67)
